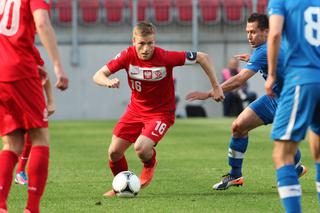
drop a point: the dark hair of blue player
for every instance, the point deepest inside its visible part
(261, 19)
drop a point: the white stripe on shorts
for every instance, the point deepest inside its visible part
(289, 191)
(235, 154)
(318, 186)
(293, 115)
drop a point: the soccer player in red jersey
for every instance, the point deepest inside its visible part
(152, 107)
(22, 105)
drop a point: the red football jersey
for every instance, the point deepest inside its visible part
(18, 55)
(151, 81)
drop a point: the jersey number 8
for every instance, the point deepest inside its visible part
(312, 28)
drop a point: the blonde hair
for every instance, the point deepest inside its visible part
(144, 29)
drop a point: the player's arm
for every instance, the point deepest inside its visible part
(48, 91)
(227, 86)
(48, 39)
(204, 61)
(274, 39)
(237, 81)
(101, 77)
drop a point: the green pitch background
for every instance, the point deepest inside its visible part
(191, 158)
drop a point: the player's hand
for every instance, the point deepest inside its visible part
(113, 83)
(243, 57)
(192, 96)
(43, 74)
(51, 108)
(217, 93)
(268, 86)
(62, 79)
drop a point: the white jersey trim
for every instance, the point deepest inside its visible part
(289, 191)
(293, 115)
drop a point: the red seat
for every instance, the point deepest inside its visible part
(262, 6)
(64, 11)
(249, 7)
(89, 11)
(114, 11)
(210, 11)
(161, 11)
(234, 11)
(142, 9)
(184, 9)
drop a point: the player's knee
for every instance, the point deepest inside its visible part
(114, 155)
(238, 130)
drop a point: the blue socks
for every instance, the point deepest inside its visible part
(318, 180)
(237, 148)
(289, 188)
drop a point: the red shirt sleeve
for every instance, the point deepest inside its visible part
(39, 4)
(175, 58)
(119, 62)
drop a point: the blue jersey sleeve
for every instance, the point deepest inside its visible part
(276, 7)
(258, 60)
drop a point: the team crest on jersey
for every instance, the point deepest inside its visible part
(147, 73)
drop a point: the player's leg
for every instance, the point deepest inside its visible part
(154, 130)
(144, 148)
(38, 167)
(21, 177)
(117, 159)
(245, 122)
(12, 147)
(314, 140)
(288, 184)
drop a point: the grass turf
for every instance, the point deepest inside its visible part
(191, 157)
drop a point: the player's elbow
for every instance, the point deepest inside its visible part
(95, 77)
(202, 57)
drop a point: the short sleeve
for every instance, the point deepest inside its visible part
(256, 61)
(40, 4)
(276, 7)
(119, 62)
(175, 58)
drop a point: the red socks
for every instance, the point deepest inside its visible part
(37, 174)
(23, 159)
(118, 166)
(150, 163)
(8, 160)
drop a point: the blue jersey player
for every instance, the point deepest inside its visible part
(259, 112)
(299, 102)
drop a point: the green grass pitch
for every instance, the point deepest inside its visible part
(191, 158)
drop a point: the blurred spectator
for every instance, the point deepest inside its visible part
(233, 103)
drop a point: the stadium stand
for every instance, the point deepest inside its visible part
(161, 11)
(262, 6)
(89, 11)
(249, 7)
(114, 11)
(184, 11)
(63, 10)
(143, 5)
(233, 11)
(210, 12)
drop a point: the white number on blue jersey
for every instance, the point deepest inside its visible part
(313, 25)
(6, 28)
